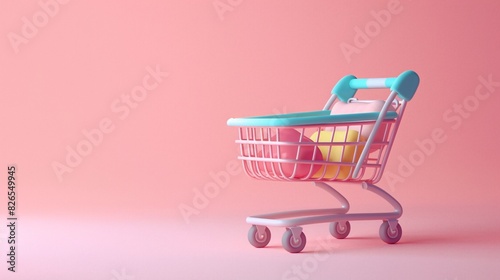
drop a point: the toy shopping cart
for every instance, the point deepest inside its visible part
(348, 141)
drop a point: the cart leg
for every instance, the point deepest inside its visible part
(344, 204)
(261, 230)
(296, 231)
(390, 230)
(398, 209)
(393, 224)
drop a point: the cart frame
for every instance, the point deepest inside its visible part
(255, 139)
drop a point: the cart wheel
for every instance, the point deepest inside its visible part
(338, 231)
(389, 236)
(291, 244)
(259, 240)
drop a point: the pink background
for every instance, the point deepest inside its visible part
(117, 213)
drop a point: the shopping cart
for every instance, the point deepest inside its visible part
(348, 141)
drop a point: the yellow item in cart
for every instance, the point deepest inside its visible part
(338, 147)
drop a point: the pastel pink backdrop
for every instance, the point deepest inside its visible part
(119, 208)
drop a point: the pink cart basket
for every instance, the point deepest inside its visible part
(349, 141)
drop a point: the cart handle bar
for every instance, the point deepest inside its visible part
(405, 85)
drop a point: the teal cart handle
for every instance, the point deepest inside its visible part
(405, 85)
(371, 83)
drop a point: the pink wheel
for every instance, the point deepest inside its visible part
(390, 236)
(291, 244)
(340, 231)
(259, 240)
